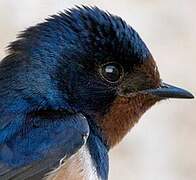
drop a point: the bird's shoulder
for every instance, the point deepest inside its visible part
(40, 147)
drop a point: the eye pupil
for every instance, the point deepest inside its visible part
(111, 72)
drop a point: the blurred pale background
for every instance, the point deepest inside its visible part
(162, 145)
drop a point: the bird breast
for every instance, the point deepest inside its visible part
(79, 166)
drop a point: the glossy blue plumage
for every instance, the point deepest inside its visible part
(49, 79)
(99, 152)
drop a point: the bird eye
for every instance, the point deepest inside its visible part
(111, 72)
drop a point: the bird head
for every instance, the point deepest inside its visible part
(99, 65)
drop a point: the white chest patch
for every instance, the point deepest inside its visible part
(78, 167)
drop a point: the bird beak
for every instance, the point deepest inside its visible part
(169, 91)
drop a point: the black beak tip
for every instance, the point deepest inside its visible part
(185, 94)
(189, 96)
(169, 91)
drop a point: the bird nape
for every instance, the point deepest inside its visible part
(70, 89)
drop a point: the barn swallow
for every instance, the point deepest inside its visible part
(70, 89)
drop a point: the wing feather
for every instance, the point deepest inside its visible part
(38, 149)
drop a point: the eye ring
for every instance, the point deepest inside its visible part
(111, 72)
